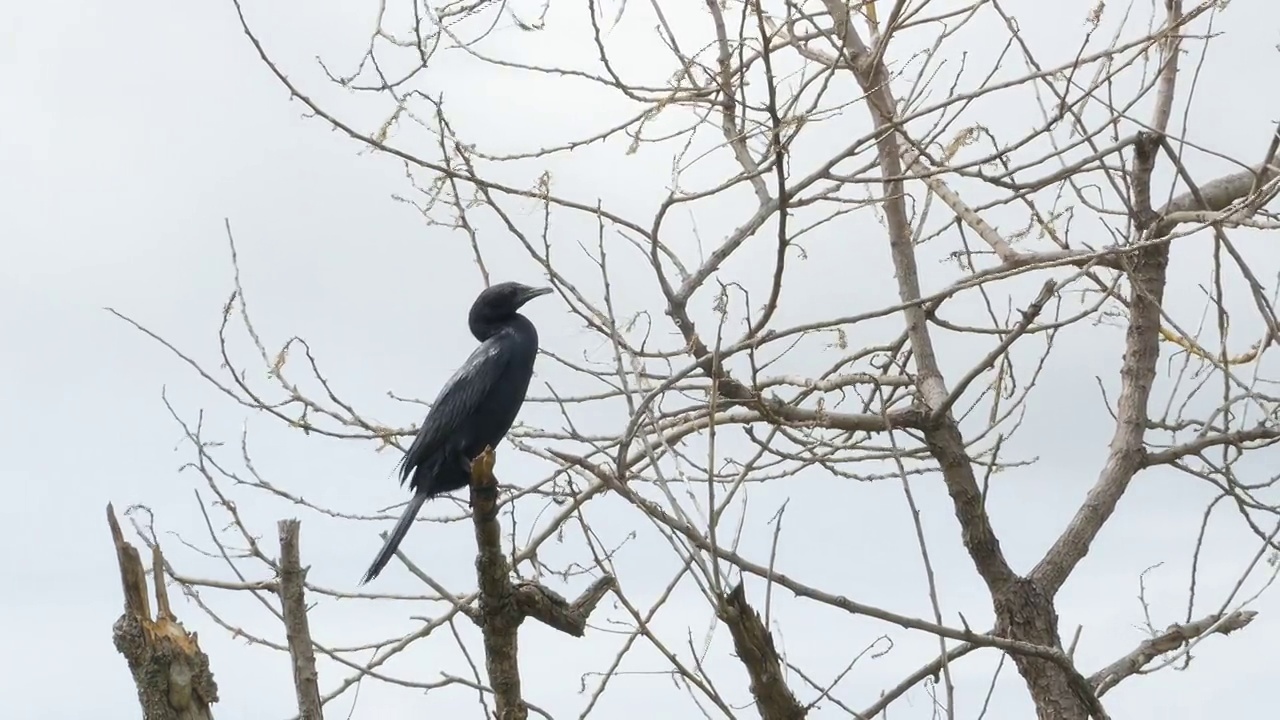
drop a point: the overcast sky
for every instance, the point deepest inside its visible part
(129, 132)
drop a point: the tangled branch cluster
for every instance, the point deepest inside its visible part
(849, 275)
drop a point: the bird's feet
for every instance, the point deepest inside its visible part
(483, 484)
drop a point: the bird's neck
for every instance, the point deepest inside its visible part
(483, 329)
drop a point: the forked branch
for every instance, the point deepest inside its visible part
(504, 605)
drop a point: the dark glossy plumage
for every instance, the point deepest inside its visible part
(475, 408)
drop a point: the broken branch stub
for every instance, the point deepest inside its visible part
(169, 669)
(293, 606)
(755, 648)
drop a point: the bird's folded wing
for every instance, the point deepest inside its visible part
(461, 396)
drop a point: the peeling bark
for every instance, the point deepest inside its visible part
(170, 670)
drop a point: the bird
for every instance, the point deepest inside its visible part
(475, 408)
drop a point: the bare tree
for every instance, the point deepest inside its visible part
(813, 146)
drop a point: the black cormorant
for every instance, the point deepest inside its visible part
(474, 409)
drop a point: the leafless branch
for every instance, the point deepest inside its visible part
(1171, 639)
(293, 605)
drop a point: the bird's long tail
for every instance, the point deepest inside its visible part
(397, 534)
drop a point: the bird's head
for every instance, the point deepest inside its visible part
(501, 301)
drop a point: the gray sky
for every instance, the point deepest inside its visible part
(128, 134)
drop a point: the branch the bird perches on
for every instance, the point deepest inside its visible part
(505, 605)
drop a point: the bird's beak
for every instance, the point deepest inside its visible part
(532, 293)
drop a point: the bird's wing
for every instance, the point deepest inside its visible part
(461, 396)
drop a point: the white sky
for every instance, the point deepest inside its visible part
(129, 132)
